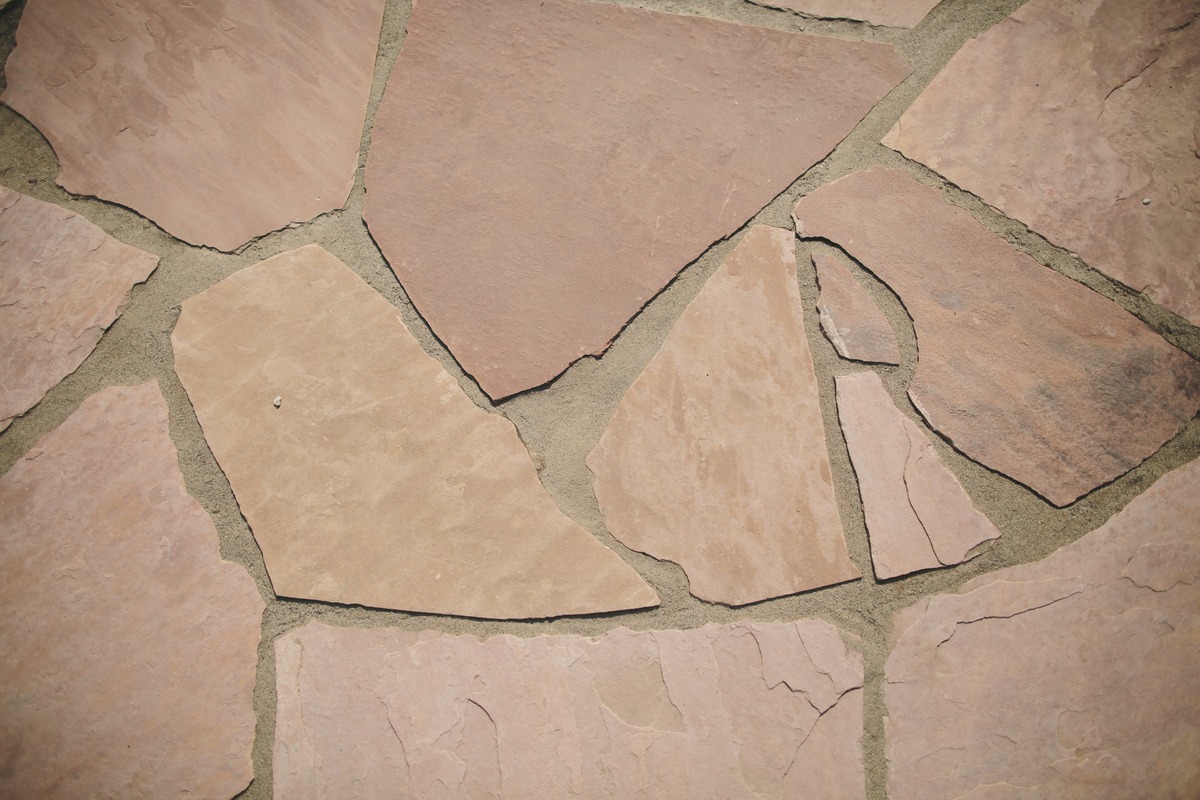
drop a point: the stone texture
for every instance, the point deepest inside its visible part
(127, 646)
(1023, 369)
(61, 281)
(1109, 96)
(893, 13)
(219, 121)
(918, 515)
(741, 710)
(716, 458)
(376, 480)
(1074, 677)
(539, 169)
(850, 318)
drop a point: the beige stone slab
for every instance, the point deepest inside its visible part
(220, 121)
(1024, 370)
(376, 480)
(62, 280)
(893, 13)
(737, 710)
(850, 318)
(1073, 677)
(540, 169)
(1108, 97)
(127, 646)
(716, 457)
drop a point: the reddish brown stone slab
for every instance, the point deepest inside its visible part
(61, 282)
(1023, 369)
(539, 169)
(716, 457)
(1108, 97)
(218, 121)
(851, 320)
(127, 646)
(893, 13)
(918, 515)
(741, 710)
(376, 480)
(1074, 677)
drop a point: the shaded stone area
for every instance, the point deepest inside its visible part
(893, 13)
(850, 319)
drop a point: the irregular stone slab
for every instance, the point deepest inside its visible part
(127, 646)
(376, 480)
(1109, 94)
(1026, 371)
(918, 515)
(851, 320)
(741, 710)
(218, 121)
(61, 283)
(893, 13)
(540, 169)
(716, 457)
(1071, 678)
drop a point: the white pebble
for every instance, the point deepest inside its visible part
(278, 401)
(1146, 202)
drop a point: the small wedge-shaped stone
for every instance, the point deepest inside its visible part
(893, 13)
(918, 514)
(1023, 369)
(1106, 95)
(850, 318)
(220, 121)
(127, 646)
(376, 480)
(539, 169)
(716, 456)
(61, 281)
(1072, 678)
(743, 710)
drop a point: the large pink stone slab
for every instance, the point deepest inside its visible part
(61, 281)
(218, 121)
(743, 710)
(1074, 677)
(376, 480)
(127, 646)
(1023, 369)
(893, 13)
(539, 169)
(918, 515)
(716, 457)
(1107, 93)
(850, 318)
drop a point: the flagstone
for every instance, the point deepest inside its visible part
(716, 457)
(218, 121)
(61, 285)
(893, 13)
(741, 710)
(1073, 677)
(1023, 369)
(540, 169)
(127, 646)
(1107, 97)
(850, 318)
(365, 472)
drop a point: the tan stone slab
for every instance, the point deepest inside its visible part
(918, 514)
(218, 121)
(127, 646)
(540, 169)
(61, 282)
(1024, 370)
(850, 318)
(742, 710)
(716, 458)
(1074, 677)
(376, 480)
(1108, 92)
(893, 13)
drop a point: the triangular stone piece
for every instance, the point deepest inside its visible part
(850, 318)
(893, 13)
(374, 479)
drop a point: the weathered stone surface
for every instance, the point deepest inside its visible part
(218, 121)
(61, 281)
(851, 320)
(893, 13)
(1023, 369)
(716, 457)
(742, 710)
(918, 515)
(376, 480)
(539, 169)
(127, 646)
(1071, 678)
(1107, 93)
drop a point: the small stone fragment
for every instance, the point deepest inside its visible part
(278, 401)
(850, 318)
(893, 13)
